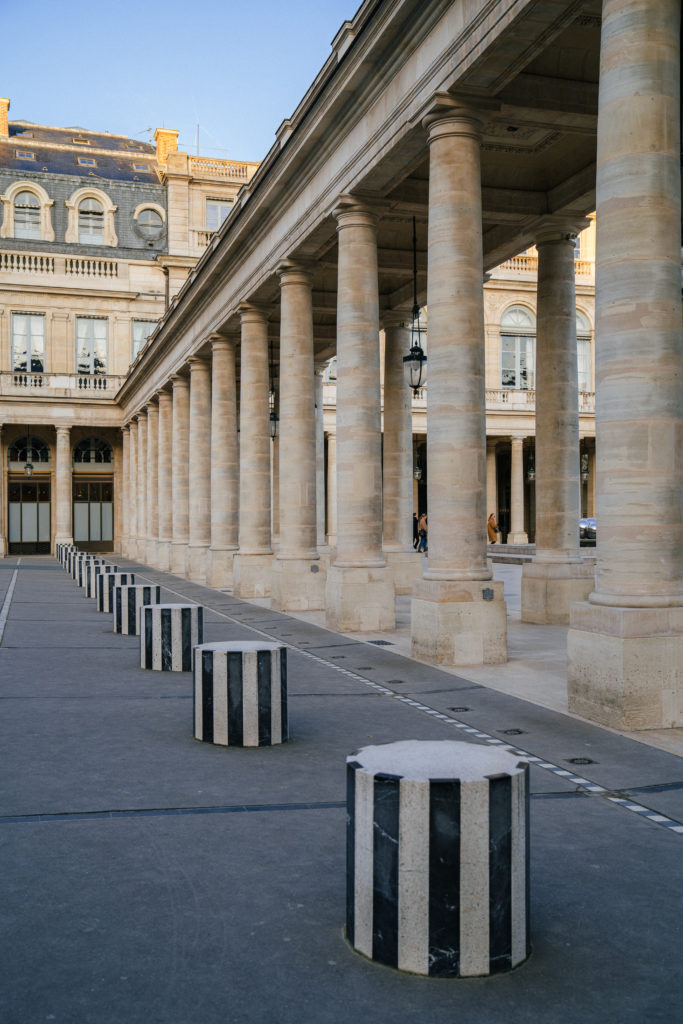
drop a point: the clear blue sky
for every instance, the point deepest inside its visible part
(236, 68)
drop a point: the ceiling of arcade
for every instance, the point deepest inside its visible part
(538, 86)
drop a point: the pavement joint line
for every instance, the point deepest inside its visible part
(162, 812)
(584, 784)
(7, 602)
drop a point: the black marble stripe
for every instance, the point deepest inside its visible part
(385, 869)
(131, 610)
(527, 857)
(235, 700)
(186, 638)
(283, 693)
(200, 625)
(444, 877)
(119, 610)
(263, 675)
(350, 850)
(206, 683)
(166, 639)
(148, 639)
(500, 873)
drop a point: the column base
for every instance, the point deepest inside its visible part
(360, 599)
(625, 666)
(406, 567)
(549, 588)
(195, 562)
(517, 538)
(297, 585)
(459, 622)
(178, 557)
(251, 575)
(163, 561)
(219, 567)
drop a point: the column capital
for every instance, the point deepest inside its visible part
(252, 314)
(295, 272)
(63, 431)
(124, 428)
(198, 363)
(352, 212)
(221, 342)
(163, 395)
(446, 114)
(179, 382)
(558, 229)
(518, 438)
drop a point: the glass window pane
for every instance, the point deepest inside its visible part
(29, 521)
(95, 532)
(107, 521)
(94, 492)
(44, 521)
(81, 522)
(14, 522)
(107, 492)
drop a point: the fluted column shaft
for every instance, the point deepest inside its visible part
(319, 458)
(398, 440)
(199, 520)
(639, 399)
(63, 520)
(152, 482)
(297, 450)
(165, 478)
(225, 453)
(124, 489)
(141, 552)
(181, 471)
(254, 484)
(558, 480)
(517, 533)
(131, 547)
(332, 488)
(456, 426)
(359, 459)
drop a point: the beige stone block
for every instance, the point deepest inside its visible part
(297, 585)
(406, 567)
(219, 571)
(178, 557)
(548, 590)
(195, 562)
(163, 561)
(360, 599)
(459, 622)
(626, 683)
(251, 575)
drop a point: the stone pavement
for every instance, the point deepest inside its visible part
(150, 878)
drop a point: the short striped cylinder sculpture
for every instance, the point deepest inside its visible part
(76, 559)
(61, 551)
(105, 583)
(438, 857)
(95, 570)
(168, 632)
(128, 600)
(240, 694)
(83, 568)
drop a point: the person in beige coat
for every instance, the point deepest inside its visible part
(492, 529)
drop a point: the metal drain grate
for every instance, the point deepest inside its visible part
(381, 643)
(512, 732)
(460, 711)
(580, 760)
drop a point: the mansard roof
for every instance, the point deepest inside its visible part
(56, 151)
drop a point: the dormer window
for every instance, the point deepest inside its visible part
(26, 215)
(81, 141)
(90, 222)
(133, 145)
(90, 217)
(26, 212)
(24, 154)
(141, 167)
(87, 161)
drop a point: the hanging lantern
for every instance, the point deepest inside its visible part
(531, 467)
(28, 468)
(416, 360)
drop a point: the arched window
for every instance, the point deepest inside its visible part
(35, 447)
(517, 348)
(92, 450)
(583, 351)
(90, 222)
(26, 215)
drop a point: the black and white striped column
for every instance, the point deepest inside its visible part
(83, 568)
(91, 577)
(76, 559)
(61, 551)
(438, 857)
(240, 694)
(128, 600)
(168, 632)
(105, 583)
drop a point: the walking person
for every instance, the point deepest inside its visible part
(492, 529)
(422, 531)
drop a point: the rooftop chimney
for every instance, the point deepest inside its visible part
(167, 142)
(4, 111)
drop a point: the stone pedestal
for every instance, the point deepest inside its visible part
(168, 632)
(549, 588)
(91, 577)
(438, 857)
(360, 599)
(406, 567)
(625, 666)
(297, 584)
(127, 602)
(251, 575)
(105, 588)
(219, 568)
(240, 694)
(459, 622)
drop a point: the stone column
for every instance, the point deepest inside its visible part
(224, 463)
(298, 584)
(332, 488)
(132, 545)
(142, 486)
(63, 498)
(491, 478)
(124, 487)
(252, 564)
(180, 467)
(152, 483)
(397, 476)
(558, 575)
(3, 498)
(458, 613)
(321, 540)
(591, 482)
(199, 521)
(360, 590)
(517, 534)
(625, 644)
(165, 480)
